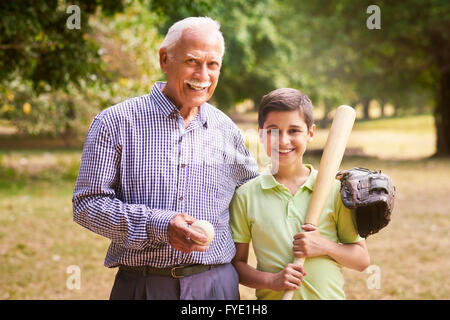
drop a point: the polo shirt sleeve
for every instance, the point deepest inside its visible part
(239, 222)
(345, 222)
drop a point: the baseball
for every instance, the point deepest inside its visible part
(206, 228)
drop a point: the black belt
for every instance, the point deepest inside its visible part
(174, 272)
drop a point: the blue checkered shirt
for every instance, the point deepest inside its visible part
(140, 167)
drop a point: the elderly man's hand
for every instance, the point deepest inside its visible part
(181, 236)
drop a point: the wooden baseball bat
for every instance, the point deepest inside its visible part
(329, 164)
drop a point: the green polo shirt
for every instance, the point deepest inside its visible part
(265, 212)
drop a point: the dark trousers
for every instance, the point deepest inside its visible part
(219, 283)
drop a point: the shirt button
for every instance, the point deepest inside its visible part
(181, 198)
(183, 165)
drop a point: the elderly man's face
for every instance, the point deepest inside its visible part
(192, 68)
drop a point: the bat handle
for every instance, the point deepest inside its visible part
(290, 293)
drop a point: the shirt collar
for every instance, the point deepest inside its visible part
(168, 108)
(268, 181)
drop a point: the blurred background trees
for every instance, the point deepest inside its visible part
(53, 80)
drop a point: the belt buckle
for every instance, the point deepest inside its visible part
(174, 274)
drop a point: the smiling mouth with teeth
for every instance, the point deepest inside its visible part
(285, 151)
(197, 86)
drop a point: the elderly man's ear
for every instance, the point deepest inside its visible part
(163, 59)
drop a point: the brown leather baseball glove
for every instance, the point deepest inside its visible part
(371, 194)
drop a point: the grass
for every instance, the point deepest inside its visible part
(39, 240)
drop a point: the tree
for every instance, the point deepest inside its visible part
(42, 57)
(410, 52)
(53, 78)
(37, 45)
(254, 50)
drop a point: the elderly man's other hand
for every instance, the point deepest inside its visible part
(181, 236)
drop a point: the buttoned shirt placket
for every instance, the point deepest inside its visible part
(185, 157)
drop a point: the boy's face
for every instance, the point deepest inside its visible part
(287, 137)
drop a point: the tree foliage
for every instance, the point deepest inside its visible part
(54, 79)
(37, 46)
(409, 56)
(323, 48)
(254, 50)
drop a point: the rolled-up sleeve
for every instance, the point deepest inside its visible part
(97, 205)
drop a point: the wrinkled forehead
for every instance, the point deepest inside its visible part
(200, 43)
(203, 55)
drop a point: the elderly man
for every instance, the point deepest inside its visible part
(153, 165)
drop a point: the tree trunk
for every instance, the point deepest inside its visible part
(325, 120)
(395, 110)
(382, 108)
(441, 50)
(366, 105)
(442, 117)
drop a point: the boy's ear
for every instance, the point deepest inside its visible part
(260, 135)
(311, 132)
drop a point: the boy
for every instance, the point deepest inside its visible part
(270, 211)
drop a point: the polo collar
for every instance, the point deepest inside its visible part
(268, 181)
(168, 108)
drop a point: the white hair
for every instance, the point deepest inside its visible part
(176, 30)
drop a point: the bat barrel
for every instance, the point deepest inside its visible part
(332, 155)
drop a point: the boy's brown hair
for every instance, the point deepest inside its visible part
(286, 99)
